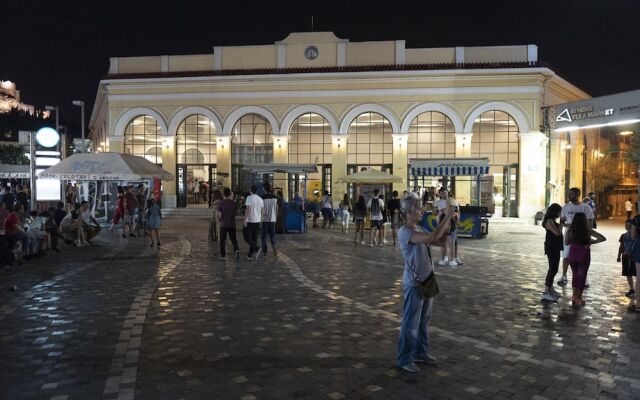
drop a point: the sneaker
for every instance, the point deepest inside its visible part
(548, 297)
(413, 368)
(453, 264)
(370, 244)
(222, 258)
(77, 243)
(587, 284)
(562, 281)
(248, 257)
(443, 262)
(363, 243)
(458, 260)
(555, 294)
(631, 293)
(429, 359)
(384, 241)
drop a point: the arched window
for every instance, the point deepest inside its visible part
(196, 141)
(141, 138)
(495, 135)
(251, 144)
(370, 140)
(431, 135)
(310, 141)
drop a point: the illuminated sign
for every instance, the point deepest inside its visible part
(47, 137)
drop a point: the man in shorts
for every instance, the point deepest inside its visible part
(375, 207)
(566, 218)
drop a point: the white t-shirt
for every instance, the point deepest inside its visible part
(378, 216)
(326, 201)
(85, 216)
(569, 211)
(628, 206)
(255, 211)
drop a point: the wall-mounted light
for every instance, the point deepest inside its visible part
(338, 142)
(279, 143)
(221, 143)
(166, 145)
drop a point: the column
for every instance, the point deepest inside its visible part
(115, 144)
(557, 157)
(338, 165)
(223, 159)
(169, 165)
(400, 160)
(532, 173)
(576, 147)
(281, 156)
(463, 184)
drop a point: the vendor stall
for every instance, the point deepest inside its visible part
(292, 214)
(475, 195)
(100, 174)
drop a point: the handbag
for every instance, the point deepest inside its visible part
(429, 287)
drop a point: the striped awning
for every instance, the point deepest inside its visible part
(9, 171)
(450, 167)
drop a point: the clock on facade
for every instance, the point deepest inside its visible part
(311, 52)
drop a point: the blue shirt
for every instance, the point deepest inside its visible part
(417, 263)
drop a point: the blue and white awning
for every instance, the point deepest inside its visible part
(450, 167)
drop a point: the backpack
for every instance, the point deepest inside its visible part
(375, 206)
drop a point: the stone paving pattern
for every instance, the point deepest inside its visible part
(121, 320)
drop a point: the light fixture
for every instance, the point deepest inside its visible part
(625, 133)
(221, 143)
(338, 141)
(165, 144)
(279, 143)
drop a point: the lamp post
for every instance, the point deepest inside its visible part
(80, 104)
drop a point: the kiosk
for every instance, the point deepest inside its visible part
(474, 216)
(292, 214)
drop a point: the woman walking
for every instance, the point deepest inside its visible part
(413, 343)
(214, 226)
(580, 238)
(393, 212)
(153, 217)
(553, 246)
(345, 211)
(359, 212)
(385, 221)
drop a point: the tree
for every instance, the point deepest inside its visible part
(604, 173)
(12, 154)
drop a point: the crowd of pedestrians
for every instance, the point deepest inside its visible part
(140, 215)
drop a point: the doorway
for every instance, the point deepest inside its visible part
(510, 190)
(194, 184)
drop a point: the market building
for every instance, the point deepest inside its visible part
(316, 98)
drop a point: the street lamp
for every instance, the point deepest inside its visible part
(80, 104)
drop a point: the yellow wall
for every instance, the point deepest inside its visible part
(196, 62)
(249, 57)
(371, 53)
(138, 64)
(431, 56)
(327, 55)
(495, 54)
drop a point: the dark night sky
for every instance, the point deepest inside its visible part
(57, 51)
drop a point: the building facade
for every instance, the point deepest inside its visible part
(315, 98)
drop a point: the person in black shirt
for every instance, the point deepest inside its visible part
(393, 215)
(59, 213)
(22, 198)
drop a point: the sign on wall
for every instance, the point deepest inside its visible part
(616, 109)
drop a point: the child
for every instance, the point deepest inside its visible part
(624, 254)
(153, 219)
(580, 238)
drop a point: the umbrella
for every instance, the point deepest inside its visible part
(371, 176)
(105, 167)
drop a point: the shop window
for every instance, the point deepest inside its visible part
(141, 138)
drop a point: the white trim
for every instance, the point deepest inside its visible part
(113, 65)
(504, 72)
(238, 113)
(451, 113)
(217, 58)
(363, 108)
(282, 55)
(127, 116)
(400, 52)
(532, 53)
(180, 116)
(293, 114)
(164, 63)
(516, 113)
(530, 90)
(341, 49)
(459, 55)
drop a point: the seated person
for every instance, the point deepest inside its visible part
(89, 223)
(39, 238)
(71, 226)
(13, 228)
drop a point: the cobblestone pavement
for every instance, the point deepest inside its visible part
(121, 320)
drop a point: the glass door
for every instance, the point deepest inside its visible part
(510, 190)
